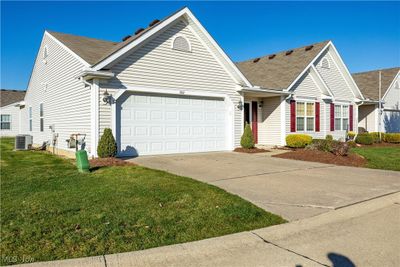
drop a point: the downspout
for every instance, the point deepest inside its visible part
(94, 114)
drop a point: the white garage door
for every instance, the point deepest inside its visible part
(160, 124)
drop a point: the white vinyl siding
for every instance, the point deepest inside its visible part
(65, 99)
(269, 132)
(392, 98)
(333, 78)
(367, 119)
(156, 65)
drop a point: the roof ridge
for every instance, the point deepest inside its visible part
(283, 51)
(13, 90)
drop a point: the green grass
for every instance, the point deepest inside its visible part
(50, 211)
(387, 158)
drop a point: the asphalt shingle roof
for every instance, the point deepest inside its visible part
(8, 97)
(368, 82)
(281, 70)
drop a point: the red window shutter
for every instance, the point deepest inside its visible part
(332, 117)
(292, 115)
(317, 116)
(351, 117)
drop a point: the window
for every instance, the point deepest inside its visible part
(341, 117)
(30, 119)
(5, 122)
(181, 43)
(305, 116)
(325, 63)
(41, 117)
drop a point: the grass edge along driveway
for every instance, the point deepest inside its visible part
(49, 211)
(385, 157)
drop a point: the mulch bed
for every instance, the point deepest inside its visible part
(352, 159)
(104, 162)
(251, 150)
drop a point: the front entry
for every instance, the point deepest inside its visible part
(250, 116)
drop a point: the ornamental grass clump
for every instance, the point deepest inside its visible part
(247, 140)
(107, 146)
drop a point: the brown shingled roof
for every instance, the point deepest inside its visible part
(8, 97)
(368, 82)
(89, 49)
(279, 71)
(94, 50)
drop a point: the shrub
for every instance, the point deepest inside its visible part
(247, 140)
(329, 137)
(321, 144)
(107, 146)
(350, 135)
(364, 139)
(375, 136)
(392, 137)
(340, 148)
(298, 140)
(352, 144)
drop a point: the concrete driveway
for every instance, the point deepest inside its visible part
(292, 189)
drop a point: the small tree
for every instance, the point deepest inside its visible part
(107, 146)
(247, 140)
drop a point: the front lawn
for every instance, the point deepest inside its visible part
(50, 211)
(385, 157)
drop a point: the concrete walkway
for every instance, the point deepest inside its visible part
(365, 234)
(292, 189)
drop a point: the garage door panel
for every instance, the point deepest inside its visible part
(153, 124)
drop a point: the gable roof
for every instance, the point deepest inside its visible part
(368, 82)
(100, 53)
(89, 49)
(279, 70)
(8, 97)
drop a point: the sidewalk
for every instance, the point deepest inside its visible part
(365, 234)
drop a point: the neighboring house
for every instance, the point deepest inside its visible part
(368, 82)
(304, 90)
(11, 102)
(169, 88)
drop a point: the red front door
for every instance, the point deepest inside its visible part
(254, 119)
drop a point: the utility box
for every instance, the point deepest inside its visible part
(82, 161)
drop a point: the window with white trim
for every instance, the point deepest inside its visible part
(305, 116)
(325, 63)
(181, 43)
(41, 115)
(5, 122)
(341, 117)
(30, 119)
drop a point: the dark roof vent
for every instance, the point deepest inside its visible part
(139, 31)
(126, 38)
(288, 52)
(308, 48)
(271, 56)
(154, 22)
(256, 60)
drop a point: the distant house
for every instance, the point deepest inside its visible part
(11, 102)
(303, 90)
(368, 82)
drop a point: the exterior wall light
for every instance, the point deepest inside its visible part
(240, 105)
(107, 97)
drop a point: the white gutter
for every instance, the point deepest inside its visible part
(263, 90)
(92, 74)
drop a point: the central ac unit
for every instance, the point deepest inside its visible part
(23, 142)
